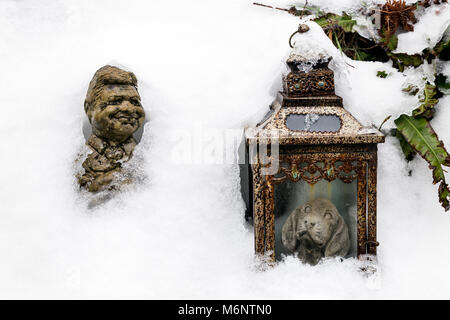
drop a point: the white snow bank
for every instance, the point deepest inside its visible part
(428, 30)
(209, 64)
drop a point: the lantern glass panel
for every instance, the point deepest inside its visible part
(312, 122)
(290, 195)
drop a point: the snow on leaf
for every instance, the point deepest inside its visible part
(426, 109)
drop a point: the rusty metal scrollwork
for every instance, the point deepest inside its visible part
(314, 171)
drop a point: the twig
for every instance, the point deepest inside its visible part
(349, 65)
(384, 121)
(262, 5)
(304, 8)
(292, 10)
(267, 6)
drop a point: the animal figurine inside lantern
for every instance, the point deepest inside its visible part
(315, 230)
(114, 109)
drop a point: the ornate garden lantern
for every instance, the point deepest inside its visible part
(320, 198)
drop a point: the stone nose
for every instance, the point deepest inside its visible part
(125, 104)
(310, 224)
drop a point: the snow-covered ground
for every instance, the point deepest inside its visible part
(213, 65)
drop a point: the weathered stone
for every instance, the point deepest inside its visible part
(316, 230)
(114, 109)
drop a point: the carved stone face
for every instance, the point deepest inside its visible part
(116, 112)
(113, 106)
(315, 230)
(319, 222)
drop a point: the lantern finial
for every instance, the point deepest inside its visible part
(310, 75)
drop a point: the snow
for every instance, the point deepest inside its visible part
(310, 119)
(428, 30)
(213, 65)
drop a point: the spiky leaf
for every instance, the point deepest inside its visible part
(426, 109)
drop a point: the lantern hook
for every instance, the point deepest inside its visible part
(302, 28)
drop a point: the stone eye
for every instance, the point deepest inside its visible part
(328, 214)
(116, 101)
(307, 209)
(135, 102)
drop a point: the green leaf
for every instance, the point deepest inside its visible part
(346, 22)
(424, 140)
(408, 151)
(331, 20)
(392, 43)
(442, 84)
(411, 89)
(441, 81)
(338, 44)
(402, 60)
(363, 56)
(382, 74)
(444, 195)
(421, 136)
(389, 40)
(327, 20)
(442, 49)
(426, 109)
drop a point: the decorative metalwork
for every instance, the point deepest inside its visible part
(313, 172)
(317, 82)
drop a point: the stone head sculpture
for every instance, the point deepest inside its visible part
(316, 230)
(113, 104)
(114, 109)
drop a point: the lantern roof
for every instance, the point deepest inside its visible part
(308, 112)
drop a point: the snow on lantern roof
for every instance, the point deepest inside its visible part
(308, 112)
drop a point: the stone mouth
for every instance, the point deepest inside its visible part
(125, 117)
(305, 236)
